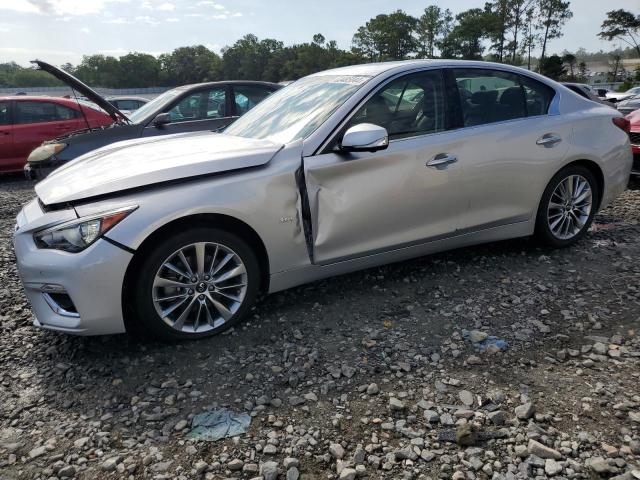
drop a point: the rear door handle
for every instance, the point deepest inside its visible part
(548, 140)
(442, 159)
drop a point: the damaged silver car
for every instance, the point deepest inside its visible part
(346, 169)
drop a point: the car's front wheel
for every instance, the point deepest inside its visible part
(567, 207)
(196, 283)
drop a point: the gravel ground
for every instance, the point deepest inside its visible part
(373, 374)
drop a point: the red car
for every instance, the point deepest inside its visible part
(25, 122)
(634, 136)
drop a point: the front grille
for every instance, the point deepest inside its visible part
(634, 137)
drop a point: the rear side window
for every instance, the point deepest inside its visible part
(539, 96)
(489, 96)
(5, 117)
(248, 96)
(38, 112)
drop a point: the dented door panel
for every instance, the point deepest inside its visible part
(364, 203)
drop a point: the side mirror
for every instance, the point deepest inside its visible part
(365, 137)
(161, 120)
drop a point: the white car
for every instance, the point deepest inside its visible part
(619, 96)
(175, 236)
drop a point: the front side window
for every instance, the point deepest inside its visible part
(489, 96)
(206, 104)
(248, 96)
(5, 117)
(217, 103)
(38, 112)
(409, 106)
(297, 110)
(141, 114)
(187, 109)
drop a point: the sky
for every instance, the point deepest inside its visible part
(61, 31)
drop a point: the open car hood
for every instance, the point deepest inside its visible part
(141, 162)
(84, 89)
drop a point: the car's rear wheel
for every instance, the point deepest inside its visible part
(195, 284)
(567, 207)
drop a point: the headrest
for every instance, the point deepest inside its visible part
(512, 96)
(484, 97)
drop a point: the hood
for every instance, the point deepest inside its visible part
(140, 162)
(84, 89)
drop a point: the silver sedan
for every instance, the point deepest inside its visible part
(342, 170)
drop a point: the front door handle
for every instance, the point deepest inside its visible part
(548, 140)
(442, 159)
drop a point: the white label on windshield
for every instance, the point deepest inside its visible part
(349, 79)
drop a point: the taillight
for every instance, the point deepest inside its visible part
(622, 123)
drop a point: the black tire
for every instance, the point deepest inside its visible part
(543, 230)
(150, 323)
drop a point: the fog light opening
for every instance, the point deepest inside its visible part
(61, 303)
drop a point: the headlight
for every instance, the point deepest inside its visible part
(77, 235)
(45, 152)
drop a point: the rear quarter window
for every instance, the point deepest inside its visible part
(538, 95)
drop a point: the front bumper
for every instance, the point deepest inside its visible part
(91, 279)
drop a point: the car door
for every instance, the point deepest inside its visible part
(38, 120)
(6, 137)
(509, 146)
(200, 110)
(409, 193)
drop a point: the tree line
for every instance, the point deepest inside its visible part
(506, 31)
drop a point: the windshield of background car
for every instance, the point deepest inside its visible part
(297, 110)
(143, 112)
(91, 105)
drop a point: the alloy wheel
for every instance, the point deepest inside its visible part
(569, 207)
(199, 287)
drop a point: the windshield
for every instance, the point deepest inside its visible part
(298, 109)
(143, 112)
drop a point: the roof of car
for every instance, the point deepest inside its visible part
(127, 97)
(38, 98)
(373, 69)
(227, 82)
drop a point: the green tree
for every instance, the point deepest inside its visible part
(582, 71)
(189, 65)
(615, 67)
(99, 71)
(622, 25)
(430, 29)
(253, 59)
(498, 18)
(519, 14)
(139, 70)
(465, 38)
(13, 75)
(570, 61)
(553, 14)
(552, 67)
(531, 35)
(387, 36)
